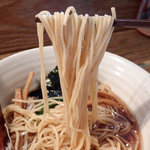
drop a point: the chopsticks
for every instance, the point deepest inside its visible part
(132, 23)
(126, 23)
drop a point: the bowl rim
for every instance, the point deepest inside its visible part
(50, 46)
(124, 60)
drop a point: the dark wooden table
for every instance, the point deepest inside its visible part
(18, 29)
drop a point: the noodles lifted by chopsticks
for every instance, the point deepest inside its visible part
(79, 43)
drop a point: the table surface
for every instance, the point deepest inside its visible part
(18, 28)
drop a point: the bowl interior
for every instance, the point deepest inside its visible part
(128, 81)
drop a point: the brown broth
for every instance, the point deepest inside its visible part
(123, 116)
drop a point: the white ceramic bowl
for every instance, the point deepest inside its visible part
(129, 81)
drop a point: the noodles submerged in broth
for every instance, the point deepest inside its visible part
(116, 127)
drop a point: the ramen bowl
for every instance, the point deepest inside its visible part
(130, 82)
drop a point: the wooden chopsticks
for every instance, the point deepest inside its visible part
(132, 23)
(126, 23)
